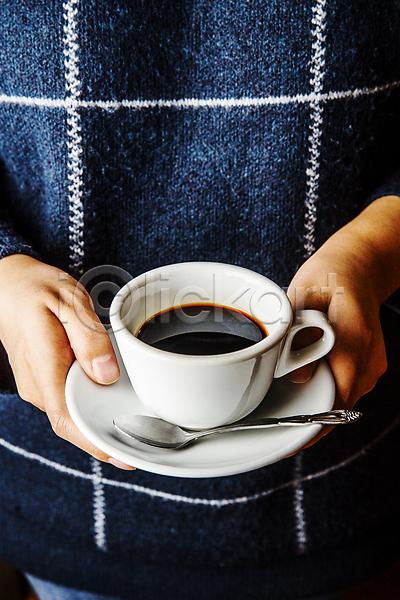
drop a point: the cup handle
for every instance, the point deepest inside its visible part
(289, 359)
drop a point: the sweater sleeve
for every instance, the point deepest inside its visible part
(389, 187)
(11, 242)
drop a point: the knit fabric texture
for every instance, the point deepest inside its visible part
(137, 134)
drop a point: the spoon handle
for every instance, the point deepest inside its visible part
(333, 417)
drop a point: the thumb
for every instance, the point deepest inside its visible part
(90, 342)
(105, 368)
(95, 354)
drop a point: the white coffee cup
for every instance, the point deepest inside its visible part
(207, 391)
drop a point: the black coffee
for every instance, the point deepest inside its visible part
(201, 329)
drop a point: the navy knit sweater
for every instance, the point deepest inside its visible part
(138, 134)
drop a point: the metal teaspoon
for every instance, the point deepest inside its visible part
(156, 432)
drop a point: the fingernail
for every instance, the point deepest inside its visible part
(105, 369)
(120, 465)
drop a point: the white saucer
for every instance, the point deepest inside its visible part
(93, 408)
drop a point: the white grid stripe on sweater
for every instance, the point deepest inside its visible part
(99, 505)
(217, 502)
(74, 144)
(317, 72)
(195, 103)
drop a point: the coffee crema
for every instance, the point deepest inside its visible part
(201, 330)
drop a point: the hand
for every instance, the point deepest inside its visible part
(329, 282)
(348, 278)
(46, 321)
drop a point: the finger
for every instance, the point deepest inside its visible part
(87, 336)
(50, 367)
(25, 360)
(305, 337)
(357, 361)
(26, 385)
(303, 374)
(346, 373)
(325, 429)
